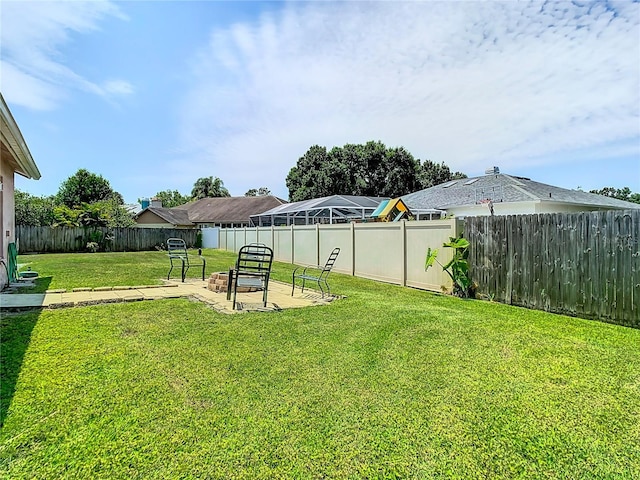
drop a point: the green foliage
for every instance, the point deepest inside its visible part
(114, 213)
(431, 174)
(390, 382)
(108, 213)
(65, 216)
(457, 268)
(619, 193)
(253, 192)
(33, 210)
(86, 187)
(371, 169)
(172, 198)
(85, 216)
(208, 187)
(199, 239)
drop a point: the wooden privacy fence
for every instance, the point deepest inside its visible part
(392, 252)
(583, 264)
(75, 239)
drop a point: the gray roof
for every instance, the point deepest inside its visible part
(229, 209)
(504, 188)
(215, 210)
(174, 216)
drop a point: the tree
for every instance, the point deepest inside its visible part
(33, 210)
(619, 193)
(172, 198)
(208, 187)
(306, 180)
(371, 169)
(262, 191)
(86, 187)
(431, 174)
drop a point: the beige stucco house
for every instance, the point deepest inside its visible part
(15, 158)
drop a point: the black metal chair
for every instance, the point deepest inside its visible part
(252, 270)
(177, 251)
(316, 273)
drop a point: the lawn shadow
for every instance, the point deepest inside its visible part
(15, 336)
(41, 285)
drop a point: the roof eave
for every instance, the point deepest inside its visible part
(13, 139)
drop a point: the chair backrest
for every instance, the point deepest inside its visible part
(176, 245)
(331, 260)
(254, 260)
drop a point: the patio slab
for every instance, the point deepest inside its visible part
(279, 297)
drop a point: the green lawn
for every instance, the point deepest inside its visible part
(389, 382)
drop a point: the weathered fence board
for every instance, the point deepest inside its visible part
(582, 264)
(75, 239)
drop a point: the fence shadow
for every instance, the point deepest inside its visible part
(15, 336)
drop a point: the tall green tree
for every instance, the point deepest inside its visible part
(619, 193)
(431, 173)
(371, 169)
(308, 179)
(172, 198)
(209, 187)
(86, 187)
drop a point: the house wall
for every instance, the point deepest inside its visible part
(7, 214)
(149, 218)
(522, 208)
(551, 207)
(499, 208)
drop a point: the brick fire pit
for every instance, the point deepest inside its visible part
(218, 283)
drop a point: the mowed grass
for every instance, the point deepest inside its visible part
(389, 382)
(73, 270)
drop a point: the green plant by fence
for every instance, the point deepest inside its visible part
(77, 239)
(582, 264)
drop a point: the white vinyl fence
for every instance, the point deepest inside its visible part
(389, 252)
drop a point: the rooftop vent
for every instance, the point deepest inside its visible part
(492, 171)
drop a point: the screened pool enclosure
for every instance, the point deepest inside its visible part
(333, 209)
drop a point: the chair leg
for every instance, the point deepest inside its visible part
(229, 283)
(235, 291)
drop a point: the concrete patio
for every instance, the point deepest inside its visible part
(279, 297)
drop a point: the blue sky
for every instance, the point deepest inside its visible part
(153, 95)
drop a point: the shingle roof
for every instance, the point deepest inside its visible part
(216, 210)
(174, 216)
(504, 188)
(229, 209)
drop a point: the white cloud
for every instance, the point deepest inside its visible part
(34, 73)
(472, 84)
(118, 87)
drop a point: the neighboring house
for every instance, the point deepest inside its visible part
(15, 158)
(332, 209)
(223, 212)
(499, 194)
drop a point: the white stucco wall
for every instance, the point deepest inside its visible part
(521, 208)
(7, 212)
